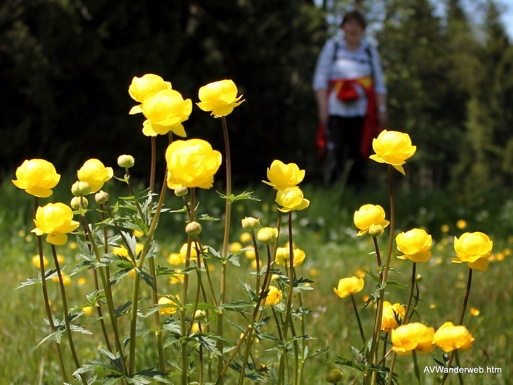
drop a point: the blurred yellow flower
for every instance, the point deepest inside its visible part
(81, 281)
(283, 253)
(195, 328)
(194, 254)
(291, 198)
(273, 296)
(72, 245)
(367, 216)
(415, 244)
(37, 262)
(176, 259)
(66, 279)
(475, 312)
(365, 298)
(393, 147)
(283, 175)
(245, 237)
(313, 272)
(390, 312)
(132, 273)
(138, 234)
(37, 177)
(144, 87)
(165, 112)
(234, 247)
(167, 310)
(121, 251)
(254, 264)
(192, 163)
(267, 235)
(360, 273)
(432, 306)
(499, 256)
(178, 278)
(347, 286)
(445, 228)
(461, 224)
(88, 310)
(413, 336)
(250, 254)
(21, 233)
(507, 252)
(56, 220)
(60, 259)
(219, 98)
(95, 174)
(449, 337)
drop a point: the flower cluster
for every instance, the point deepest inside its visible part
(285, 178)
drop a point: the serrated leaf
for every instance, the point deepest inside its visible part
(206, 217)
(79, 329)
(245, 195)
(373, 276)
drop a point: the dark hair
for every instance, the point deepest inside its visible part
(354, 15)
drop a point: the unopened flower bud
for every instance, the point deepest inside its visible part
(250, 223)
(419, 278)
(376, 230)
(334, 376)
(101, 197)
(80, 188)
(75, 203)
(193, 228)
(199, 315)
(126, 161)
(267, 235)
(180, 192)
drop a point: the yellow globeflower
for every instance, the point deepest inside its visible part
(291, 198)
(66, 280)
(250, 254)
(37, 177)
(254, 263)
(178, 278)
(415, 244)
(245, 237)
(121, 251)
(390, 312)
(81, 281)
(167, 310)
(473, 249)
(414, 336)
(195, 328)
(219, 98)
(56, 220)
(192, 163)
(393, 147)
(183, 251)
(273, 296)
(283, 175)
(444, 228)
(449, 337)
(37, 262)
(176, 259)
(475, 312)
(95, 174)
(283, 253)
(369, 215)
(347, 286)
(461, 224)
(144, 87)
(138, 234)
(234, 247)
(165, 112)
(267, 235)
(88, 310)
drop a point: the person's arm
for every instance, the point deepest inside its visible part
(381, 90)
(321, 80)
(322, 103)
(381, 101)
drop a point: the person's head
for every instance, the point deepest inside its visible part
(353, 26)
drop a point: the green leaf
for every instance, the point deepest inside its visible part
(148, 279)
(396, 284)
(118, 312)
(236, 305)
(373, 276)
(79, 329)
(56, 336)
(243, 196)
(206, 217)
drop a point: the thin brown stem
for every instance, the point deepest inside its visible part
(358, 318)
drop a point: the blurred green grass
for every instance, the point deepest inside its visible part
(326, 233)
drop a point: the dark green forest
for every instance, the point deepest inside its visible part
(65, 68)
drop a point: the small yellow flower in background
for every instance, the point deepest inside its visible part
(313, 272)
(390, 312)
(287, 245)
(88, 310)
(144, 87)
(219, 98)
(132, 273)
(499, 256)
(195, 328)
(393, 148)
(250, 223)
(274, 296)
(245, 237)
(283, 253)
(138, 234)
(95, 173)
(178, 278)
(21, 233)
(37, 262)
(274, 277)
(439, 260)
(461, 224)
(56, 220)
(66, 279)
(234, 247)
(415, 244)
(192, 163)
(507, 252)
(283, 175)
(414, 336)
(474, 249)
(167, 310)
(367, 216)
(475, 312)
(445, 228)
(81, 281)
(365, 298)
(254, 264)
(60, 259)
(37, 177)
(347, 286)
(250, 254)
(72, 245)
(449, 337)
(461, 276)
(176, 259)
(291, 198)
(432, 306)
(267, 235)
(165, 112)
(121, 251)
(194, 254)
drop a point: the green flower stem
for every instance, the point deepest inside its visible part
(207, 271)
(135, 293)
(416, 366)
(303, 342)
(462, 316)
(277, 324)
(47, 306)
(257, 257)
(290, 292)
(377, 329)
(66, 315)
(417, 297)
(358, 318)
(199, 286)
(412, 287)
(235, 351)
(153, 162)
(460, 376)
(201, 375)
(227, 220)
(130, 254)
(108, 293)
(384, 350)
(131, 190)
(378, 257)
(296, 352)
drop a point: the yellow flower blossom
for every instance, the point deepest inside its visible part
(170, 310)
(347, 286)
(283, 175)
(144, 87)
(95, 174)
(291, 198)
(415, 244)
(369, 215)
(219, 98)
(56, 220)
(449, 337)
(413, 336)
(393, 147)
(37, 177)
(37, 262)
(273, 296)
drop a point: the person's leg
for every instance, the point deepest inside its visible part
(353, 137)
(335, 149)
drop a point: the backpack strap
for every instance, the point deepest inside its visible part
(368, 51)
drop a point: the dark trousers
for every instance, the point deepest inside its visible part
(344, 158)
